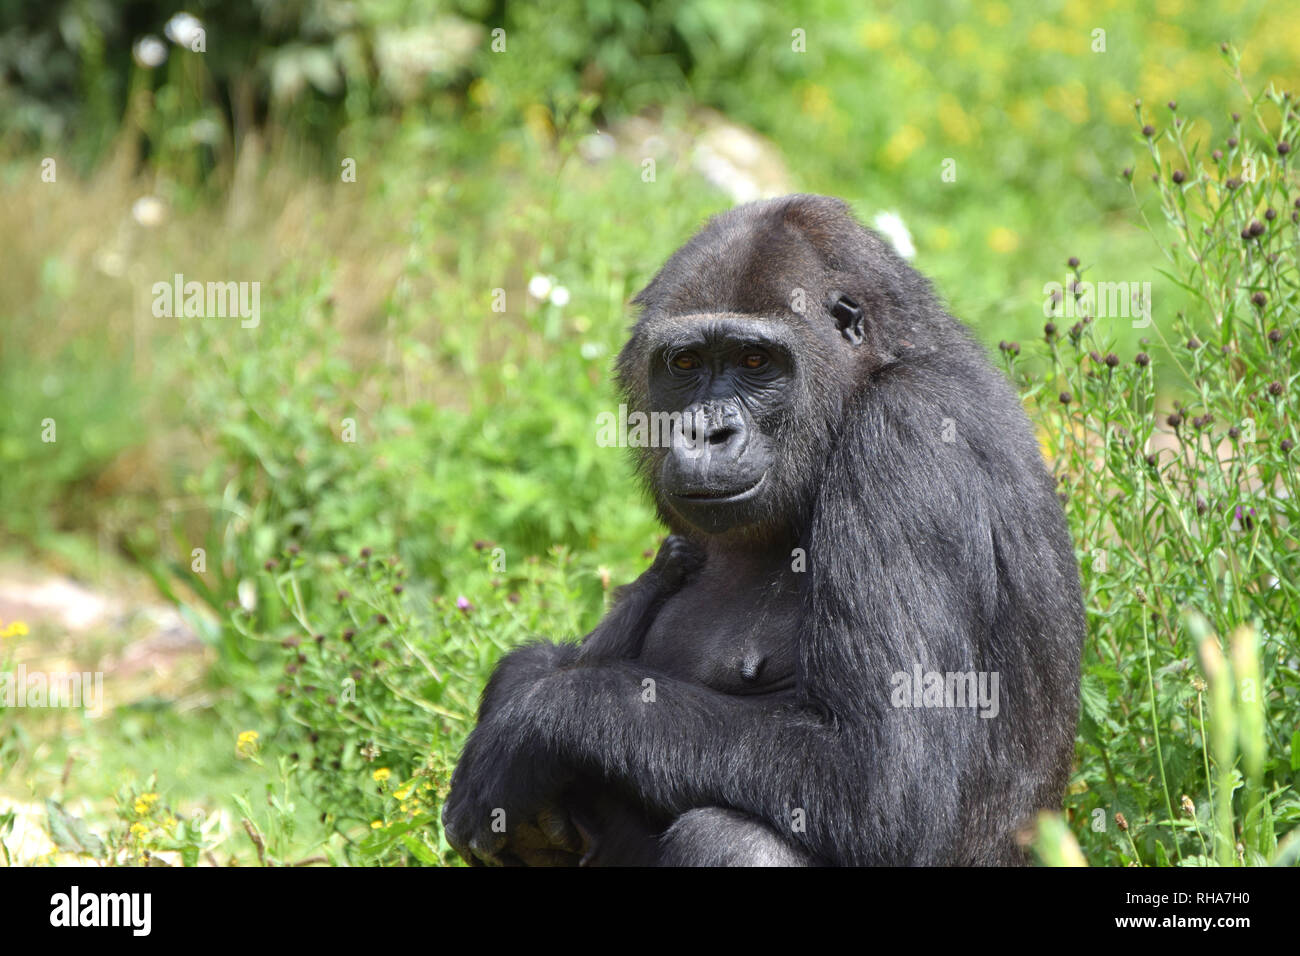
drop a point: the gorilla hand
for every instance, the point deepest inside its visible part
(505, 806)
(677, 560)
(620, 635)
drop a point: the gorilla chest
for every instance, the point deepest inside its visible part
(737, 639)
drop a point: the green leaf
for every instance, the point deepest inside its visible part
(71, 833)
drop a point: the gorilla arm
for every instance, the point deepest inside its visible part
(618, 636)
(695, 747)
(548, 836)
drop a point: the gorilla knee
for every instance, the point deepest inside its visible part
(716, 837)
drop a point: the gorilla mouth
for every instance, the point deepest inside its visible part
(714, 496)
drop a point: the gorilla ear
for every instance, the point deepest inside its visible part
(848, 316)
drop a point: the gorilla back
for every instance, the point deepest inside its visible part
(863, 636)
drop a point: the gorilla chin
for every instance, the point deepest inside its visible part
(714, 511)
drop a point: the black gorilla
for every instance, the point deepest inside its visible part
(864, 535)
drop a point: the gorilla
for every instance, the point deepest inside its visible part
(859, 644)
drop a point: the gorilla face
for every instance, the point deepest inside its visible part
(727, 378)
(729, 384)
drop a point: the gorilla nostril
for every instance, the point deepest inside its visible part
(722, 435)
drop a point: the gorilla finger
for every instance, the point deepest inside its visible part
(555, 824)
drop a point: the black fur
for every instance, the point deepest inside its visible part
(890, 454)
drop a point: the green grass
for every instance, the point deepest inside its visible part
(472, 463)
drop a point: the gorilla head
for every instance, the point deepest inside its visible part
(752, 336)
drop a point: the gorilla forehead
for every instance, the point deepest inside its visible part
(715, 329)
(751, 259)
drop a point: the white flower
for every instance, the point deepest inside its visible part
(591, 350)
(560, 296)
(539, 287)
(895, 230)
(149, 52)
(149, 211)
(183, 28)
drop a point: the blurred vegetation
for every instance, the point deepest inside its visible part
(488, 511)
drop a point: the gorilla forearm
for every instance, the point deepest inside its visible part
(693, 747)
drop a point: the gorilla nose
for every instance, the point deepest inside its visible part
(723, 434)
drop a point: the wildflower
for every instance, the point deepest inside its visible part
(381, 775)
(376, 824)
(463, 604)
(1142, 359)
(1179, 176)
(402, 793)
(148, 211)
(144, 803)
(1121, 822)
(1189, 808)
(183, 29)
(14, 629)
(149, 52)
(139, 829)
(246, 745)
(892, 227)
(539, 287)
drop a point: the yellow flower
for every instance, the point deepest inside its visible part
(144, 803)
(403, 793)
(14, 629)
(902, 144)
(247, 743)
(1002, 239)
(877, 34)
(816, 100)
(139, 829)
(376, 824)
(382, 774)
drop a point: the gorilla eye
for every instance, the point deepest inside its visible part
(753, 360)
(686, 362)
